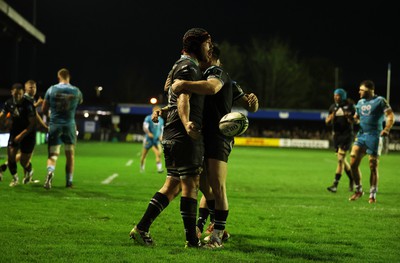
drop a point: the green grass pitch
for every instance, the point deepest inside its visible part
(280, 210)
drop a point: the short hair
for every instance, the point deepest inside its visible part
(63, 73)
(368, 83)
(30, 82)
(17, 86)
(193, 39)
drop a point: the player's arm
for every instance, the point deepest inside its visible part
(41, 122)
(146, 129)
(249, 102)
(389, 122)
(183, 105)
(329, 118)
(38, 102)
(45, 107)
(203, 87)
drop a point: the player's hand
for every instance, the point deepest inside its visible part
(252, 99)
(384, 133)
(192, 130)
(177, 86)
(154, 115)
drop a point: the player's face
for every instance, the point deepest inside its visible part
(30, 89)
(206, 48)
(337, 98)
(364, 92)
(18, 95)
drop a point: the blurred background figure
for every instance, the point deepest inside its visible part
(340, 117)
(152, 139)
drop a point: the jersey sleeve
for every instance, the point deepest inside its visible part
(384, 104)
(237, 91)
(186, 71)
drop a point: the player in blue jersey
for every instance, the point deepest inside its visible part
(371, 111)
(61, 101)
(152, 139)
(340, 117)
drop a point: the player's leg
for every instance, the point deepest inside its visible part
(157, 204)
(157, 152)
(217, 173)
(69, 164)
(357, 153)
(12, 164)
(25, 156)
(145, 150)
(374, 177)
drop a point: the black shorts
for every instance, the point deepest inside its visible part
(218, 147)
(26, 145)
(183, 157)
(342, 141)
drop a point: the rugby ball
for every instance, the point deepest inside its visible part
(233, 124)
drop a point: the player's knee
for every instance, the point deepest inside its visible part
(69, 147)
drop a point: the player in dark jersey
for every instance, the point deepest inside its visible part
(217, 146)
(341, 118)
(22, 135)
(182, 143)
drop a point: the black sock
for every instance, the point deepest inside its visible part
(188, 213)
(220, 219)
(157, 204)
(211, 209)
(337, 179)
(202, 219)
(28, 168)
(3, 167)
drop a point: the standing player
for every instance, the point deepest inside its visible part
(22, 135)
(153, 135)
(370, 112)
(217, 146)
(341, 118)
(182, 143)
(61, 101)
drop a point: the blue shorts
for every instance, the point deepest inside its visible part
(59, 134)
(150, 142)
(370, 141)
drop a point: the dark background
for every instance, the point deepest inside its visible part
(132, 44)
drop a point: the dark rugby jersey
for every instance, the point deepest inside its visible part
(216, 106)
(20, 114)
(340, 123)
(185, 69)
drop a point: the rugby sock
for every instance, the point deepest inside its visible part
(188, 213)
(372, 192)
(337, 179)
(220, 222)
(157, 204)
(211, 209)
(202, 219)
(28, 168)
(220, 219)
(69, 177)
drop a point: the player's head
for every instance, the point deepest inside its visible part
(197, 41)
(14, 88)
(156, 107)
(18, 92)
(63, 75)
(30, 88)
(367, 89)
(339, 95)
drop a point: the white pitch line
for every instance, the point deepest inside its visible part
(109, 179)
(129, 163)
